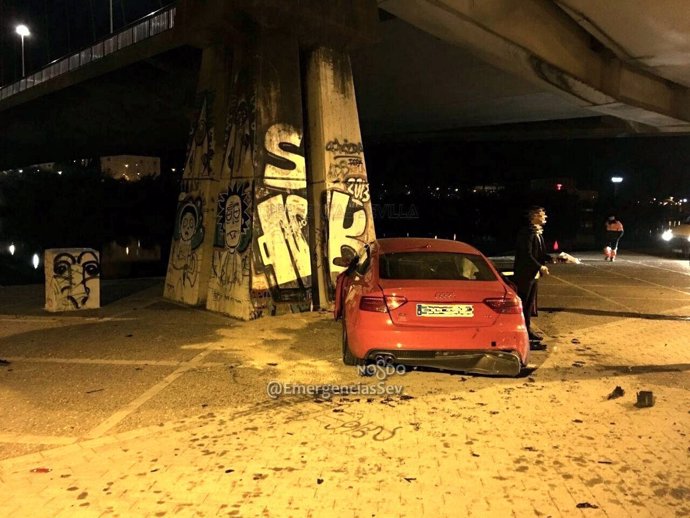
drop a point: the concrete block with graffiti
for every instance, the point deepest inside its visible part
(73, 279)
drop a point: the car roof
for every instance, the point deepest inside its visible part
(424, 244)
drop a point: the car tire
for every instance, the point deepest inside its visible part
(348, 357)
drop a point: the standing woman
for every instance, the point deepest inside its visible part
(614, 232)
(530, 261)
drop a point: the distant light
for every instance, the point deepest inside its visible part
(59, 172)
(616, 179)
(35, 261)
(126, 165)
(21, 170)
(127, 250)
(173, 169)
(559, 186)
(667, 235)
(12, 249)
(23, 30)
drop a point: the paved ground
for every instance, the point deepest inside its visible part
(149, 408)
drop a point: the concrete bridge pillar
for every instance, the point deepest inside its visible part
(343, 220)
(191, 250)
(258, 213)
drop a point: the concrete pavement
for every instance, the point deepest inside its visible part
(148, 408)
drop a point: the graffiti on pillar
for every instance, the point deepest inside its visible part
(240, 133)
(346, 160)
(284, 246)
(187, 237)
(285, 165)
(233, 235)
(200, 150)
(347, 221)
(282, 255)
(72, 275)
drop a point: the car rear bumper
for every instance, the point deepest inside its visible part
(490, 363)
(508, 334)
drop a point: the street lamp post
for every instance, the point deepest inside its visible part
(111, 16)
(23, 31)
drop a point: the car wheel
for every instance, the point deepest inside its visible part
(348, 357)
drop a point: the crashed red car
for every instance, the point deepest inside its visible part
(430, 303)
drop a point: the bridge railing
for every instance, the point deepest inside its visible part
(152, 24)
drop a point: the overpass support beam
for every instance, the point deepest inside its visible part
(341, 215)
(537, 40)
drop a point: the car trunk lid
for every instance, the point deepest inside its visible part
(442, 303)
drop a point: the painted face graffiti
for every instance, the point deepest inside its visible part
(233, 217)
(233, 221)
(187, 225)
(72, 274)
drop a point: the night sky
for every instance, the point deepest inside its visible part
(59, 27)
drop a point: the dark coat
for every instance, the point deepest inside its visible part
(530, 255)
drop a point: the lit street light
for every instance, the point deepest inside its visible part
(616, 180)
(23, 31)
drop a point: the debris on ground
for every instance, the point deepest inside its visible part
(4, 362)
(574, 341)
(586, 505)
(645, 399)
(319, 481)
(94, 390)
(409, 479)
(41, 470)
(579, 364)
(616, 393)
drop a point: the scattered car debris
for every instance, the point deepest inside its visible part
(405, 397)
(272, 364)
(586, 505)
(579, 421)
(409, 479)
(319, 481)
(574, 341)
(605, 462)
(95, 390)
(4, 362)
(229, 470)
(579, 364)
(616, 393)
(41, 470)
(645, 399)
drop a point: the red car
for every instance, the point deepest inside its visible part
(431, 303)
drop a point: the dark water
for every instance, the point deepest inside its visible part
(125, 258)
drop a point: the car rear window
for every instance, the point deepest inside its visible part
(440, 266)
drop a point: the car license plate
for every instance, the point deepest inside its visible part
(445, 310)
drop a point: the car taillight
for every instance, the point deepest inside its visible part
(381, 304)
(504, 305)
(395, 301)
(376, 304)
